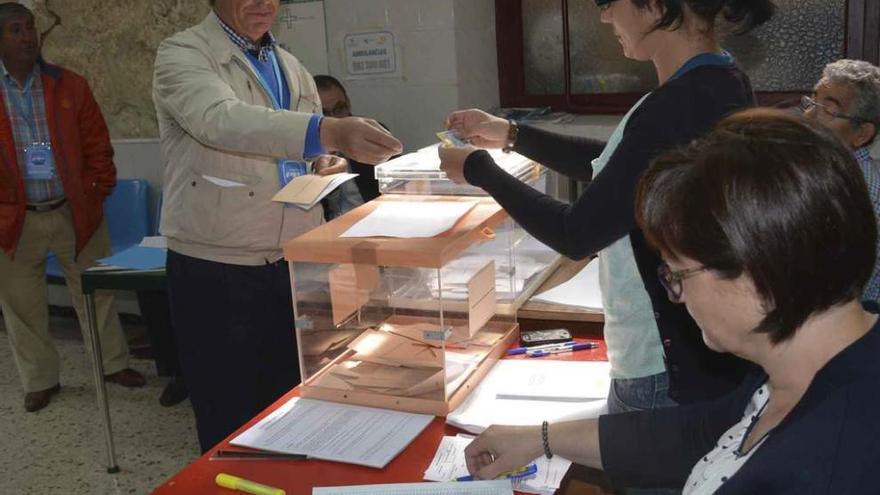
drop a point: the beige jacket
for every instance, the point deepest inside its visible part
(216, 121)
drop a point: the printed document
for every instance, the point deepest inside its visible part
(410, 219)
(335, 432)
(494, 487)
(483, 407)
(582, 290)
(449, 464)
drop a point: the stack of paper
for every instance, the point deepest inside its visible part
(335, 432)
(496, 487)
(137, 258)
(410, 219)
(449, 464)
(582, 290)
(532, 391)
(306, 190)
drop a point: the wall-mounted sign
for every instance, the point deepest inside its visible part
(369, 54)
(300, 29)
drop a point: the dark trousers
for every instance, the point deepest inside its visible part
(154, 308)
(235, 335)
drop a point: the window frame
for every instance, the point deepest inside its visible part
(861, 41)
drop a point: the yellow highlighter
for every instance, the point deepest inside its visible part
(236, 483)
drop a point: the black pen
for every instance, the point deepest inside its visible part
(240, 455)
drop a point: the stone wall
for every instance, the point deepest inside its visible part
(113, 44)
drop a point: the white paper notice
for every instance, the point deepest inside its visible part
(582, 290)
(407, 219)
(335, 432)
(494, 487)
(449, 464)
(482, 408)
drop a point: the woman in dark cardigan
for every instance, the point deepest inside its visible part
(656, 355)
(768, 237)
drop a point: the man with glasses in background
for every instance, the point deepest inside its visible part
(847, 101)
(336, 103)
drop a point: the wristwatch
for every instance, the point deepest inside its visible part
(512, 133)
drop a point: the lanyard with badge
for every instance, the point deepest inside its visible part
(39, 160)
(287, 169)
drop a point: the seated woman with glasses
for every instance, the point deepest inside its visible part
(768, 237)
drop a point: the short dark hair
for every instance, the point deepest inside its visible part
(773, 196)
(10, 10)
(743, 14)
(325, 82)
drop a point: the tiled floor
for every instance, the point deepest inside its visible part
(60, 449)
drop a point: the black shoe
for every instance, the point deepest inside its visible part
(34, 401)
(175, 392)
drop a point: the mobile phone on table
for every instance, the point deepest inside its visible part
(541, 337)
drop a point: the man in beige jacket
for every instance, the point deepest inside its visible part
(238, 118)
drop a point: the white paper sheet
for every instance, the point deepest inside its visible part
(158, 241)
(407, 219)
(217, 181)
(582, 290)
(335, 432)
(494, 487)
(449, 464)
(564, 381)
(483, 408)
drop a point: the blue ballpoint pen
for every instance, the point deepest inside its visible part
(551, 347)
(514, 475)
(524, 350)
(570, 348)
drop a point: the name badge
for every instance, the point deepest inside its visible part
(289, 170)
(39, 162)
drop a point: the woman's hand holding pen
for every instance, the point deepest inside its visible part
(479, 128)
(502, 448)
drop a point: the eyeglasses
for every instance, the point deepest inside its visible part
(808, 103)
(604, 4)
(341, 109)
(671, 280)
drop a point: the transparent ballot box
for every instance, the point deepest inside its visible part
(419, 173)
(404, 323)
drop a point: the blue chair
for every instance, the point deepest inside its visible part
(127, 210)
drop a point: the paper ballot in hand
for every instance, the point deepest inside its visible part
(306, 190)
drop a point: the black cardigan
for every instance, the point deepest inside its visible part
(829, 443)
(673, 115)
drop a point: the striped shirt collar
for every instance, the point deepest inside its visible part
(863, 155)
(7, 77)
(261, 50)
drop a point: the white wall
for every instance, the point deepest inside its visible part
(446, 52)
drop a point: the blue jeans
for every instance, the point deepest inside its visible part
(641, 394)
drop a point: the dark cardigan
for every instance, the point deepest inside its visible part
(828, 444)
(673, 115)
